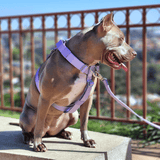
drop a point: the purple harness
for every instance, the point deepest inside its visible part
(66, 53)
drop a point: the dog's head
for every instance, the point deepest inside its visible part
(116, 51)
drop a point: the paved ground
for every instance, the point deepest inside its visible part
(11, 144)
(151, 152)
(108, 147)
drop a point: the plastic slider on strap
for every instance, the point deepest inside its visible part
(84, 68)
(68, 109)
(90, 83)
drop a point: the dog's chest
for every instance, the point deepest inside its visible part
(76, 90)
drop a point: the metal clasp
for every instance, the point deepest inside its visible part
(97, 74)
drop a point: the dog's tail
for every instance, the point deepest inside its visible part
(15, 124)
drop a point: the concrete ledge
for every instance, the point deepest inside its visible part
(109, 147)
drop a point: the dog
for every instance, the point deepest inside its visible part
(61, 83)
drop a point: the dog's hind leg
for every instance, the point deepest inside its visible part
(64, 134)
(73, 118)
(27, 123)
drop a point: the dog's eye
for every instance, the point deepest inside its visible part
(121, 39)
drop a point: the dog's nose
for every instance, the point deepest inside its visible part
(134, 53)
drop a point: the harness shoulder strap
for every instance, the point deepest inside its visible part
(83, 68)
(37, 80)
(37, 73)
(68, 55)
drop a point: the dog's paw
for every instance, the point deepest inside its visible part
(90, 143)
(65, 134)
(27, 137)
(40, 148)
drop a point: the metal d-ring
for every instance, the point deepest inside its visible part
(97, 75)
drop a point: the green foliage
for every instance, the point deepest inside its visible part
(134, 131)
(99, 126)
(136, 77)
(8, 113)
(7, 83)
(16, 53)
(153, 78)
(27, 81)
(7, 100)
(153, 133)
(17, 100)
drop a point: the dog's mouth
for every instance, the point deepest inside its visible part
(115, 62)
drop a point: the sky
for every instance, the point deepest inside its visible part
(20, 7)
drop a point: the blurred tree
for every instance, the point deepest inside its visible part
(15, 53)
(153, 81)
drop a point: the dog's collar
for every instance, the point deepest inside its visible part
(70, 57)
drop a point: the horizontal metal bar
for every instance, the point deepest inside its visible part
(82, 11)
(120, 120)
(12, 109)
(76, 28)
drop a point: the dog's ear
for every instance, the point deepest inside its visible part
(106, 24)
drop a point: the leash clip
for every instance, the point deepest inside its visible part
(97, 74)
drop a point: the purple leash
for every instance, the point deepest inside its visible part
(105, 82)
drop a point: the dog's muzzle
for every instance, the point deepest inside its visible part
(110, 59)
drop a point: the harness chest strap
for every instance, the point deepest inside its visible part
(83, 68)
(76, 105)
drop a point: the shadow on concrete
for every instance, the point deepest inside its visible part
(12, 140)
(65, 142)
(74, 150)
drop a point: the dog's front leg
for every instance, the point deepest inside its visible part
(42, 109)
(84, 113)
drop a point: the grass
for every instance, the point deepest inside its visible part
(7, 113)
(116, 128)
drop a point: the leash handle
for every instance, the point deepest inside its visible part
(105, 82)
